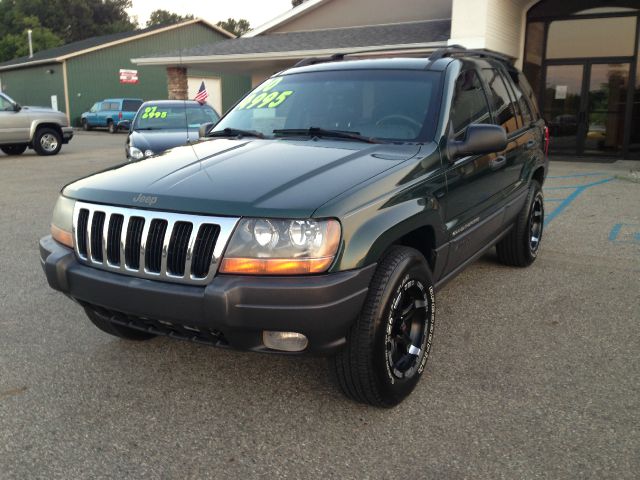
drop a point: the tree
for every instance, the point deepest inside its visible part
(237, 27)
(69, 20)
(14, 45)
(165, 17)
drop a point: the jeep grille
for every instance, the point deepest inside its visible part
(165, 246)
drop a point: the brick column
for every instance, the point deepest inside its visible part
(177, 83)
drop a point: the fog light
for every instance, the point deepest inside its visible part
(285, 341)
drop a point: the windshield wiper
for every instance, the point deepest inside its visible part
(321, 132)
(235, 132)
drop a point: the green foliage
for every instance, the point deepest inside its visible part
(164, 17)
(14, 45)
(58, 21)
(237, 27)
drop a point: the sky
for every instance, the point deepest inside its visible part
(256, 12)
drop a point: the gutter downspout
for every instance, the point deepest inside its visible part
(66, 91)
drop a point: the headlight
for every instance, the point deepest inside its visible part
(136, 153)
(281, 247)
(62, 221)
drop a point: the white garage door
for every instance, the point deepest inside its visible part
(214, 88)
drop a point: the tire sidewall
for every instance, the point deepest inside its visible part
(38, 137)
(536, 193)
(85, 125)
(411, 268)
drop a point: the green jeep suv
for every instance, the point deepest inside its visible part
(320, 215)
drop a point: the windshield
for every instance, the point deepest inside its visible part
(383, 104)
(173, 117)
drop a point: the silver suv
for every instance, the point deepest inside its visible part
(43, 129)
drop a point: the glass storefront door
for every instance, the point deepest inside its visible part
(584, 105)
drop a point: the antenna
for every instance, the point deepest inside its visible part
(29, 32)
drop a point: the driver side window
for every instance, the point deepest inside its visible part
(5, 105)
(469, 104)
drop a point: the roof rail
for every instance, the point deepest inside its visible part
(336, 57)
(460, 50)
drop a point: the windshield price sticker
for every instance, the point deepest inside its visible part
(152, 112)
(265, 96)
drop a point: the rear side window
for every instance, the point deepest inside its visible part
(527, 117)
(131, 105)
(469, 104)
(500, 100)
(528, 92)
(114, 106)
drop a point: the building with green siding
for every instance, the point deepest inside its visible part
(74, 76)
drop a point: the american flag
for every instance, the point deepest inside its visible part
(202, 94)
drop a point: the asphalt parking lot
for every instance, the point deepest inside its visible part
(534, 373)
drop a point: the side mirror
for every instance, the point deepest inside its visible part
(17, 107)
(204, 129)
(479, 139)
(125, 124)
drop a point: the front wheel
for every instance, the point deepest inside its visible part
(14, 149)
(521, 245)
(47, 141)
(85, 125)
(388, 345)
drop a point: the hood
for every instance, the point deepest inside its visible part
(268, 178)
(31, 109)
(161, 140)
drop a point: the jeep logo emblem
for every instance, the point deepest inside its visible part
(146, 199)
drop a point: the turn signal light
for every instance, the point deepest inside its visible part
(62, 236)
(274, 266)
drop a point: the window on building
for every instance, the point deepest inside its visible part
(592, 37)
(500, 100)
(469, 104)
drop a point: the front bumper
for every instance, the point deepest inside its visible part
(67, 134)
(238, 308)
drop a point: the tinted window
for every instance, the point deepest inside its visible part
(528, 92)
(523, 105)
(131, 105)
(500, 100)
(387, 104)
(469, 103)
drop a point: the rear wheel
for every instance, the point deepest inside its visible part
(47, 141)
(388, 345)
(520, 247)
(14, 149)
(111, 126)
(102, 321)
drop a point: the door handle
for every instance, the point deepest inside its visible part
(498, 162)
(530, 144)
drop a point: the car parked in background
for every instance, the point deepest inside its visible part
(163, 124)
(40, 128)
(109, 113)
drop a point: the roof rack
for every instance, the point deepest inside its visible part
(460, 50)
(336, 57)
